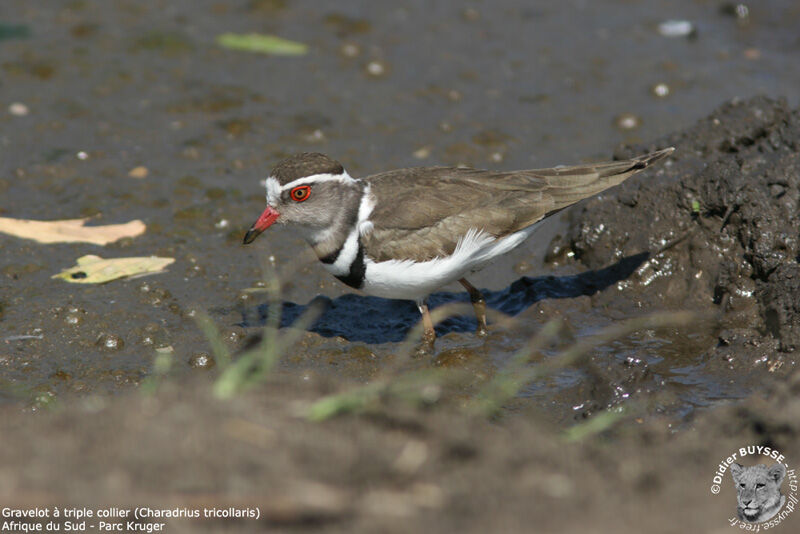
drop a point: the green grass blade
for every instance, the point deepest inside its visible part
(218, 347)
(261, 44)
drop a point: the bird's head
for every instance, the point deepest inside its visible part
(309, 190)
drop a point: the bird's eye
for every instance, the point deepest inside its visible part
(760, 485)
(300, 193)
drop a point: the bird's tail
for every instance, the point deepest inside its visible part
(568, 185)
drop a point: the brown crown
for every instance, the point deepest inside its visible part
(305, 164)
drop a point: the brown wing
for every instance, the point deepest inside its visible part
(421, 213)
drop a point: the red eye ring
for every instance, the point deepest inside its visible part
(300, 193)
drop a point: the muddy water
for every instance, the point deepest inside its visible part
(110, 86)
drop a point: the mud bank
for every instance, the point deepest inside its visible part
(396, 469)
(720, 222)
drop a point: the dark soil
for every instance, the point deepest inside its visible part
(400, 467)
(395, 470)
(721, 225)
(91, 90)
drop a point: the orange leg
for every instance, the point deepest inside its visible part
(478, 304)
(428, 334)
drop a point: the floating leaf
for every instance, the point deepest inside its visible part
(262, 44)
(96, 270)
(70, 230)
(14, 31)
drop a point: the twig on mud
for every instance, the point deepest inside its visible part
(675, 241)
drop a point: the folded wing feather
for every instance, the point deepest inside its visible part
(421, 213)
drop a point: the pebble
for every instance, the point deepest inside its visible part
(740, 11)
(627, 121)
(376, 68)
(315, 136)
(453, 95)
(139, 172)
(350, 50)
(110, 341)
(660, 90)
(676, 28)
(470, 14)
(752, 53)
(18, 109)
(201, 360)
(522, 267)
(422, 153)
(83, 156)
(233, 335)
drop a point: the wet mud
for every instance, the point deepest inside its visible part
(723, 215)
(128, 110)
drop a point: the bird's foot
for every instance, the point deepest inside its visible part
(427, 346)
(423, 350)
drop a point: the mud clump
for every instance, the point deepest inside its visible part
(719, 220)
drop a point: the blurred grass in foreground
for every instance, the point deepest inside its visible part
(508, 381)
(254, 365)
(424, 386)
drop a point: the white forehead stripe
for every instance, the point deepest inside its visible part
(274, 188)
(317, 178)
(273, 191)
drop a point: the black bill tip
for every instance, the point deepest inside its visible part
(250, 236)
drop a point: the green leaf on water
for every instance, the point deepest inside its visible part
(14, 31)
(262, 44)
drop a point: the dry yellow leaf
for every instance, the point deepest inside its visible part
(70, 230)
(93, 269)
(139, 172)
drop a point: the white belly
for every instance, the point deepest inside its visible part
(396, 279)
